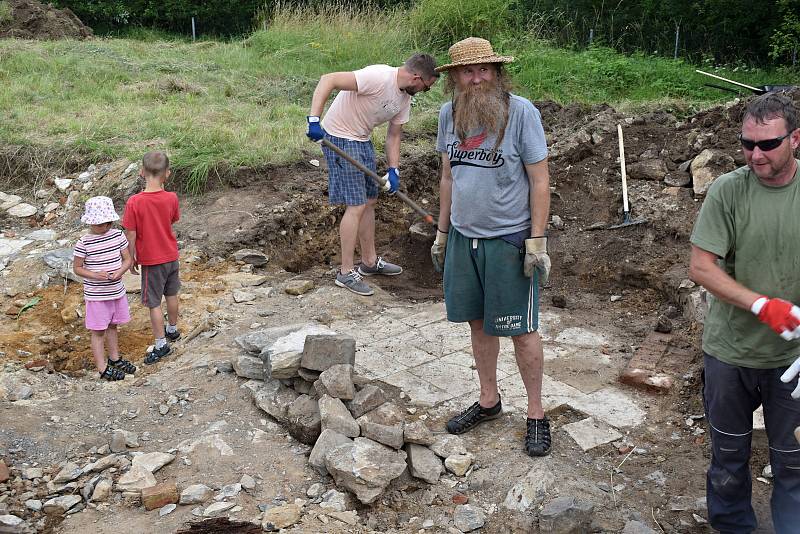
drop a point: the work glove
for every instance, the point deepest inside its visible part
(790, 374)
(536, 258)
(438, 249)
(315, 131)
(780, 315)
(391, 180)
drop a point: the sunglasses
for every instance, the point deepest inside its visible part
(427, 87)
(765, 144)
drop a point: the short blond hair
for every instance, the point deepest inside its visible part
(155, 164)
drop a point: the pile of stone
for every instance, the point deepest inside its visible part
(112, 474)
(303, 376)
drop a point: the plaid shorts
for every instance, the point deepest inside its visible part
(346, 184)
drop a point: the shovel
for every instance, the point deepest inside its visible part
(626, 218)
(380, 181)
(756, 90)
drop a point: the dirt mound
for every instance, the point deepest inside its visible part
(30, 19)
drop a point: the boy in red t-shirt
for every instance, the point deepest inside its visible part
(148, 221)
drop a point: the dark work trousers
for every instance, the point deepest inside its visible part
(731, 394)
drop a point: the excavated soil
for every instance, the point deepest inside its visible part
(34, 20)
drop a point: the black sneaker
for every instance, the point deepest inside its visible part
(123, 365)
(473, 416)
(156, 354)
(537, 437)
(172, 336)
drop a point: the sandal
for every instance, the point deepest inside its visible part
(537, 437)
(112, 374)
(123, 365)
(156, 354)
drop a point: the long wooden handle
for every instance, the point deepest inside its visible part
(378, 180)
(754, 89)
(622, 167)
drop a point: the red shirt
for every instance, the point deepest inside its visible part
(151, 215)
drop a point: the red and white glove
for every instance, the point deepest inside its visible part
(780, 315)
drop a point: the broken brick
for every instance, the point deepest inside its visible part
(159, 495)
(4, 474)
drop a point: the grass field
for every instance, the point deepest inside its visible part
(243, 103)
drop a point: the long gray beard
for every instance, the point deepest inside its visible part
(482, 107)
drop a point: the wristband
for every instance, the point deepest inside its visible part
(312, 118)
(758, 305)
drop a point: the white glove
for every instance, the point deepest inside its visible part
(536, 257)
(438, 250)
(791, 373)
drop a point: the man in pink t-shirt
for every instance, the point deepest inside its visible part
(367, 98)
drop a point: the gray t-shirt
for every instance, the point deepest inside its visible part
(491, 193)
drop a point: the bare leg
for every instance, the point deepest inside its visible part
(157, 322)
(112, 342)
(99, 349)
(172, 309)
(485, 350)
(366, 234)
(348, 234)
(530, 358)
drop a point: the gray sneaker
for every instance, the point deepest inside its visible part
(381, 267)
(353, 282)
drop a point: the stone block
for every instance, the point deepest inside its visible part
(589, 433)
(423, 463)
(417, 432)
(365, 467)
(366, 399)
(275, 399)
(566, 515)
(334, 416)
(322, 352)
(159, 495)
(303, 419)
(282, 365)
(327, 441)
(384, 424)
(249, 367)
(337, 381)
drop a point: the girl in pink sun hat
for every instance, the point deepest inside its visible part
(101, 257)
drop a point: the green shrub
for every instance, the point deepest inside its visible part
(437, 24)
(5, 12)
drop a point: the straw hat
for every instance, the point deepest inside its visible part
(472, 51)
(99, 210)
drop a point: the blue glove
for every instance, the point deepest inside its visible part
(315, 131)
(392, 178)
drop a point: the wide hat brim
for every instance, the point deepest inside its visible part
(98, 219)
(476, 61)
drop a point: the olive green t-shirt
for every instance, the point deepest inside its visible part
(755, 229)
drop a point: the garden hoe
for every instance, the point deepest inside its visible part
(380, 181)
(626, 217)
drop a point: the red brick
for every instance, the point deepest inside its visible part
(160, 495)
(460, 498)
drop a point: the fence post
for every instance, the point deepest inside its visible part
(677, 38)
(591, 36)
(194, 35)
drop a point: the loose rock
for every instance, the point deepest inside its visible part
(468, 517)
(281, 517)
(417, 432)
(299, 287)
(458, 464)
(322, 352)
(337, 381)
(327, 441)
(447, 445)
(366, 399)
(159, 495)
(365, 467)
(249, 367)
(303, 420)
(566, 515)
(334, 416)
(384, 424)
(423, 463)
(196, 494)
(60, 505)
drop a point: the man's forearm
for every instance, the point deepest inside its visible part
(445, 196)
(539, 178)
(393, 149)
(703, 270)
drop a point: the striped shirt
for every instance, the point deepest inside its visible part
(102, 253)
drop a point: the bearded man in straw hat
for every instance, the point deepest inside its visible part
(490, 242)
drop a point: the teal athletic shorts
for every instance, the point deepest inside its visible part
(484, 279)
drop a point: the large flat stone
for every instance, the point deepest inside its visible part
(421, 392)
(281, 338)
(589, 433)
(611, 406)
(365, 467)
(566, 515)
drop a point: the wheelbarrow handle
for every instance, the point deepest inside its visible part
(377, 179)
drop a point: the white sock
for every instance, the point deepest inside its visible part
(160, 342)
(172, 328)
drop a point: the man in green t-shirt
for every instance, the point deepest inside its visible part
(746, 253)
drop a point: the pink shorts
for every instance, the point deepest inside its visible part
(101, 313)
